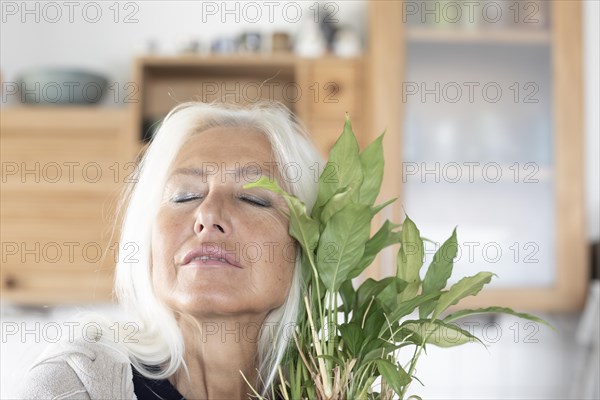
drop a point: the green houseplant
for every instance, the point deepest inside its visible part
(346, 338)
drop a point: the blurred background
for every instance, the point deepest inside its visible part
(491, 117)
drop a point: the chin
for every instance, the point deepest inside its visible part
(208, 305)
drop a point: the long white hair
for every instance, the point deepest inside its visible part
(159, 342)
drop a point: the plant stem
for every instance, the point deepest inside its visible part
(320, 360)
(413, 363)
(316, 277)
(284, 391)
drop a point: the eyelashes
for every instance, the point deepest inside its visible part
(257, 201)
(184, 197)
(180, 198)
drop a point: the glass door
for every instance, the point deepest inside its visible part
(478, 136)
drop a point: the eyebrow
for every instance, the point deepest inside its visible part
(239, 171)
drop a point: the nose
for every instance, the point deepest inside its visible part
(201, 227)
(210, 218)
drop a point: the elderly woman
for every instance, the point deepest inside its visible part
(210, 277)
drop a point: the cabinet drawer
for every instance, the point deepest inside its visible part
(333, 89)
(69, 206)
(55, 285)
(62, 160)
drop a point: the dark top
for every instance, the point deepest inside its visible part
(149, 389)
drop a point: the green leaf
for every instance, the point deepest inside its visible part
(407, 307)
(439, 333)
(342, 244)
(370, 316)
(298, 382)
(343, 169)
(468, 286)
(410, 258)
(371, 288)
(336, 360)
(378, 348)
(372, 166)
(385, 236)
(496, 310)
(405, 336)
(303, 228)
(352, 335)
(335, 204)
(265, 183)
(438, 272)
(375, 209)
(390, 296)
(394, 375)
(364, 391)
(348, 295)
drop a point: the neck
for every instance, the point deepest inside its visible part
(217, 353)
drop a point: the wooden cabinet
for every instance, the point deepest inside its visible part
(532, 216)
(62, 171)
(319, 91)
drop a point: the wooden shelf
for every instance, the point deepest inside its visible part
(464, 36)
(318, 90)
(237, 60)
(220, 60)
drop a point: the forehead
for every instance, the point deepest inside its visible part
(229, 145)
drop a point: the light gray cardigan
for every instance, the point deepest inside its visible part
(79, 370)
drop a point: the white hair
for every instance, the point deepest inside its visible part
(158, 351)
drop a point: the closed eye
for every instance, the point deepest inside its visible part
(185, 197)
(255, 201)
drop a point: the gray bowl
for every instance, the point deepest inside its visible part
(61, 87)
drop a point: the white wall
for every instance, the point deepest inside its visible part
(109, 47)
(591, 17)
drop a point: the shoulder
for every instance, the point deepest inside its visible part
(79, 370)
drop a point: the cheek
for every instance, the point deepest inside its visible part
(167, 229)
(282, 268)
(165, 239)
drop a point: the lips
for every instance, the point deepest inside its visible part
(210, 255)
